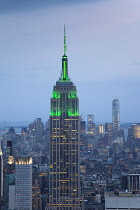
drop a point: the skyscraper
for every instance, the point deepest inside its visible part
(90, 124)
(10, 183)
(9, 178)
(108, 133)
(134, 135)
(115, 117)
(23, 183)
(134, 131)
(1, 176)
(64, 178)
(101, 129)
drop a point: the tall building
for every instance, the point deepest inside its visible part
(101, 129)
(23, 183)
(82, 135)
(115, 117)
(1, 176)
(36, 129)
(64, 177)
(9, 149)
(133, 138)
(10, 183)
(90, 124)
(9, 178)
(134, 131)
(108, 133)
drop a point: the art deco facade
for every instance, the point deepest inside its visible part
(64, 178)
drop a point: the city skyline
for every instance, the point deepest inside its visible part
(103, 40)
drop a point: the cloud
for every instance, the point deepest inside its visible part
(136, 63)
(10, 6)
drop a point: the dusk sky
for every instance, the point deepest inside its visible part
(103, 48)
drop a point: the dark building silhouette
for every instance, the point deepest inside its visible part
(11, 130)
(131, 182)
(9, 148)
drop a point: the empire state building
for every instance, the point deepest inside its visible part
(64, 176)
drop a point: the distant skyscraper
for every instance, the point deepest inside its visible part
(82, 127)
(36, 129)
(9, 149)
(9, 178)
(134, 135)
(90, 124)
(82, 135)
(115, 117)
(11, 130)
(1, 176)
(109, 133)
(23, 183)
(64, 178)
(134, 131)
(101, 129)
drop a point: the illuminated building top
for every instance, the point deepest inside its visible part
(24, 160)
(10, 160)
(64, 87)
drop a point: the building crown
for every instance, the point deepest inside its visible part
(64, 75)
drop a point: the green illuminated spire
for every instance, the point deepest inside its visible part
(64, 76)
(65, 46)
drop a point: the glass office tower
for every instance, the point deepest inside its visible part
(115, 117)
